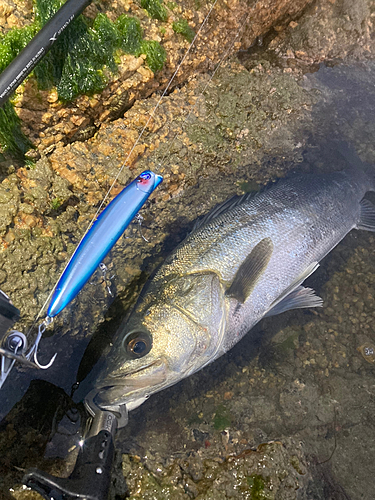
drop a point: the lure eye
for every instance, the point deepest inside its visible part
(137, 344)
(144, 177)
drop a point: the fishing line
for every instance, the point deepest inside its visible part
(57, 299)
(218, 66)
(151, 116)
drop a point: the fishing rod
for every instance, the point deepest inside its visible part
(37, 48)
(91, 476)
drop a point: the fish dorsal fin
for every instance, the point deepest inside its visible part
(232, 202)
(292, 287)
(367, 216)
(299, 298)
(251, 270)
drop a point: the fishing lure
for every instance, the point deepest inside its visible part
(94, 246)
(100, 238)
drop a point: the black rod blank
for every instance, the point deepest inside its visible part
(28, 58)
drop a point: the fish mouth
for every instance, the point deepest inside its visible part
(118, 389)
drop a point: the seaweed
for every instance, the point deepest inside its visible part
(12, 139)
(13, 42)
(182, 27)
(129, 33)
(76, 61)
(155, 54)
(155, 8)
(79, 62)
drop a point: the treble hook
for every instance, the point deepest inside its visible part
(107, 281)
(34, 350)
(139, 219)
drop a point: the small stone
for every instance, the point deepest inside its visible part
(53, 96)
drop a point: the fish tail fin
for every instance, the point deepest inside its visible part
(367, 208)
(367, 216)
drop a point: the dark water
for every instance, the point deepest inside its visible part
(303, 378)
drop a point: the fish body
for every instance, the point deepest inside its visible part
(245, 261)
(100, 238)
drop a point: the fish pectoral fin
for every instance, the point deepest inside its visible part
(250, 271)
(367, 216)
(299, 298)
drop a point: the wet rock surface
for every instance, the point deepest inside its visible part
(288, 413)
(329, 30)
(48, 121)
(273, 470)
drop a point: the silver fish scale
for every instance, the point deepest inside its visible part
(305, 217)
(185, 308)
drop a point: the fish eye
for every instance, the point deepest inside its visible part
(137, 344)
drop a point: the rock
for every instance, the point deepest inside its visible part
(136, 79)
(260, 117)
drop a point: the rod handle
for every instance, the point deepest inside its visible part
(90, 479)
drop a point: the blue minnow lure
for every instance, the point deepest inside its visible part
(100, 238)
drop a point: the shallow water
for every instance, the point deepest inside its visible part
(303, 375)
(303, 378)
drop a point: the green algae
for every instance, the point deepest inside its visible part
(76, 61)
(156, 9)
(13, 42)
(80, 61)
(155, 54)
(222, 418)
(45, 9)
(129, 34)
(257, 485)
(12, 139)
(56, 203)
(182, 27)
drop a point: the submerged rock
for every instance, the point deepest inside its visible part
(271, 471)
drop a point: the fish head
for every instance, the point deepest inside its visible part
(170, 335)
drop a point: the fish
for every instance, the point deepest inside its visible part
(244, 261)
